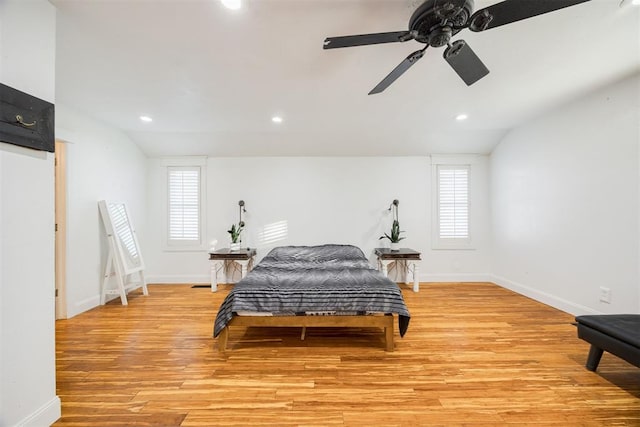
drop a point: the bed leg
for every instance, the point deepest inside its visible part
(222, 340)
(304, 332)
(388, 332)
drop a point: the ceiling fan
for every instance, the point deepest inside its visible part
(434, 23)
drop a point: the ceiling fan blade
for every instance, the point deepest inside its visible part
(465, 62)
(398, 71)
(510, 11)
(365, 39)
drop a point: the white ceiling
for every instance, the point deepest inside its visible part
(212, 78)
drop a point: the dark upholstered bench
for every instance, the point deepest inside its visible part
(619, 334)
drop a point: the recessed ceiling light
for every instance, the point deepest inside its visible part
(636, 2)
(232, 4)
(146, 119)
(276, 119)
(461, 117)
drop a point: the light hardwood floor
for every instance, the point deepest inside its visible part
(475, 354)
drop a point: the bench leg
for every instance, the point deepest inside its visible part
(595, 354)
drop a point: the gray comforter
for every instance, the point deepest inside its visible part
(296, 280)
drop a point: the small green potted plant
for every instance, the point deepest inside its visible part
(235, 235)
(394, 237)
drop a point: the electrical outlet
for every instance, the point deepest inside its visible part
(605, 294)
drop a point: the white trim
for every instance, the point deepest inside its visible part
(178, 279)
(46, 415)
(82, 306)
(543, 297)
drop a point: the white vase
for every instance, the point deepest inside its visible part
(395, 246)
(234, 246)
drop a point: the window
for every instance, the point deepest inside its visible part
(184, 204)
(451, 197)
(453, 202)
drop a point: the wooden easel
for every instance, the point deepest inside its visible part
(124, 270)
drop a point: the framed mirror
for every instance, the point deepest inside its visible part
(120, 230)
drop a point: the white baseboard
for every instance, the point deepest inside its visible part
(543, 297)
(46, 415)
(82, 306)
(456, 277)
(179, 279)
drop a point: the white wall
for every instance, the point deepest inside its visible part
(27, 330)
(102, 163)
(565, 204)
(323, 200)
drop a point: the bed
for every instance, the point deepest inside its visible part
(313, 286)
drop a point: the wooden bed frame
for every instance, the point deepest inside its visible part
(371, 321)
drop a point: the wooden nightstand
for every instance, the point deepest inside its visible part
(223, 259)
(405, 259)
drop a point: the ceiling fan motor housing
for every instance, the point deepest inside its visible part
(440, 37)
(435, 21)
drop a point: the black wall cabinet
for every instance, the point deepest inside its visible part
(26, 120)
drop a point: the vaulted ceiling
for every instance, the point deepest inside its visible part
(212, 78)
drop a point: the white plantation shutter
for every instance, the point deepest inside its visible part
(453, 202)
(184, 197)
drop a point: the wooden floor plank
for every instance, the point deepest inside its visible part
(475, 354)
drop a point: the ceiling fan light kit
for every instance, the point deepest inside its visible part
(434, 22)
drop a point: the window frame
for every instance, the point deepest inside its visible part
(185, 163)
(451, 162)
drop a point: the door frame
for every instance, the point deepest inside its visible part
(60, 166)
